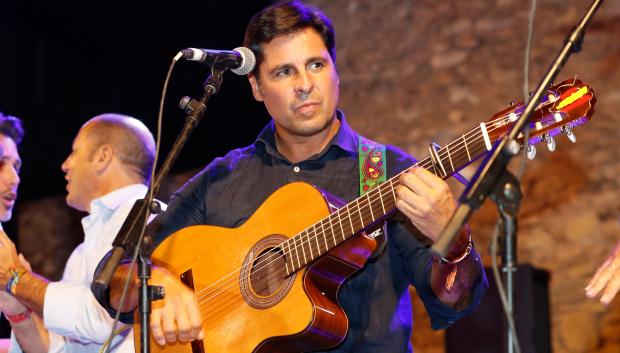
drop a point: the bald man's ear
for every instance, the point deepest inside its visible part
(256, 91)
(103, 156)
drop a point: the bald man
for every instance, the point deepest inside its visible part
(108, 169)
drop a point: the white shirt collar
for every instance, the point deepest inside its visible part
(105, 205)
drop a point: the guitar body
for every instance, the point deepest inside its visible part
(244, 306)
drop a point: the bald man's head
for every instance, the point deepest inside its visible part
(131, 141)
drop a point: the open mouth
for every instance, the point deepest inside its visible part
(8, 199)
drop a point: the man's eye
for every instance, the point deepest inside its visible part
(316, 65)
(283, 72)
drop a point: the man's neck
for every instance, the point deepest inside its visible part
(109, 185)
(299, 148)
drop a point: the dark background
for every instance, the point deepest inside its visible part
(63, 63)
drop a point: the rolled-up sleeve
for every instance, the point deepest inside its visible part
(71, 310)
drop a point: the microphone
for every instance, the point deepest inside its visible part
(239, 60)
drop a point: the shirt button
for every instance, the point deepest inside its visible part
(296, 169)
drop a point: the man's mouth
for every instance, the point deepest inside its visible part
(8, 199)
(306, 106)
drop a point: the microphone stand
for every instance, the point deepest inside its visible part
(493, 175)
(129, 237)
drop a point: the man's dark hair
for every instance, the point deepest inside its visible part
(11, 127)
(286, 18)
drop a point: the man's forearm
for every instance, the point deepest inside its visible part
(31, 291)
(32, 335)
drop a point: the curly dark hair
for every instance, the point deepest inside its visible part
(11, 127)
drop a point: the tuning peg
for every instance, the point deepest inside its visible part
(531, 151)
(569, 133)
(550, 142)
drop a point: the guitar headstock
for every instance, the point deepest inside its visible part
(563, 107)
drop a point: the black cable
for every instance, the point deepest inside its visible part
(149, 200)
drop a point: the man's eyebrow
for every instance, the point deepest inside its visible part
(280, 67)
(290, 65)
(315, 58)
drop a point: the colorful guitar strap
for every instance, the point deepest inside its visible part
(373, 167)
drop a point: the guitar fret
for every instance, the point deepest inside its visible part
(372, 215)
(296, 251)
(341, 228)
(466, 148)
(324, 239)
(359, 210)
(450, 157)
(285, 243)
(350, 220)
(310, 244)
(333, 232)
(392, 189)
(381, 199)
(303, 250)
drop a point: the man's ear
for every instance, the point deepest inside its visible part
(103, 156)
(256, 91)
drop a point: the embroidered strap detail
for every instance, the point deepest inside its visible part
(372, 164)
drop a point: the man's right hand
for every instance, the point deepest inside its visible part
(177, 316)
(174, 318)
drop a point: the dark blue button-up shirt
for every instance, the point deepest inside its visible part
(376, 299)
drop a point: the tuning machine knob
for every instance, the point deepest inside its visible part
(550, 142)
(531, 151)
(569, 133)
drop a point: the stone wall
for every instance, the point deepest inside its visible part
(419, 71)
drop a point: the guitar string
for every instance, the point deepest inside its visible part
(267, 260)
(443, 155)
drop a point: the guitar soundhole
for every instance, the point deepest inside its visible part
(263, 281)
(268, 272)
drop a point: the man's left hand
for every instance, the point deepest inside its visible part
(426, 200)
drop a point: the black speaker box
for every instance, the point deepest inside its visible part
(484, 331)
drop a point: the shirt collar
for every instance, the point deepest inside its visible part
(105, 205)
(345, 138)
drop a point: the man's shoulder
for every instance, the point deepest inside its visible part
(223, 166)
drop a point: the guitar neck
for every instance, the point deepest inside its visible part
(373, 207)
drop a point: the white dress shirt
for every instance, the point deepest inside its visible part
(77, 323)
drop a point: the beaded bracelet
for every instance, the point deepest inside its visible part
(470, 245)
(15, 275)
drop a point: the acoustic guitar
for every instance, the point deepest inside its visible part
(271, 285)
